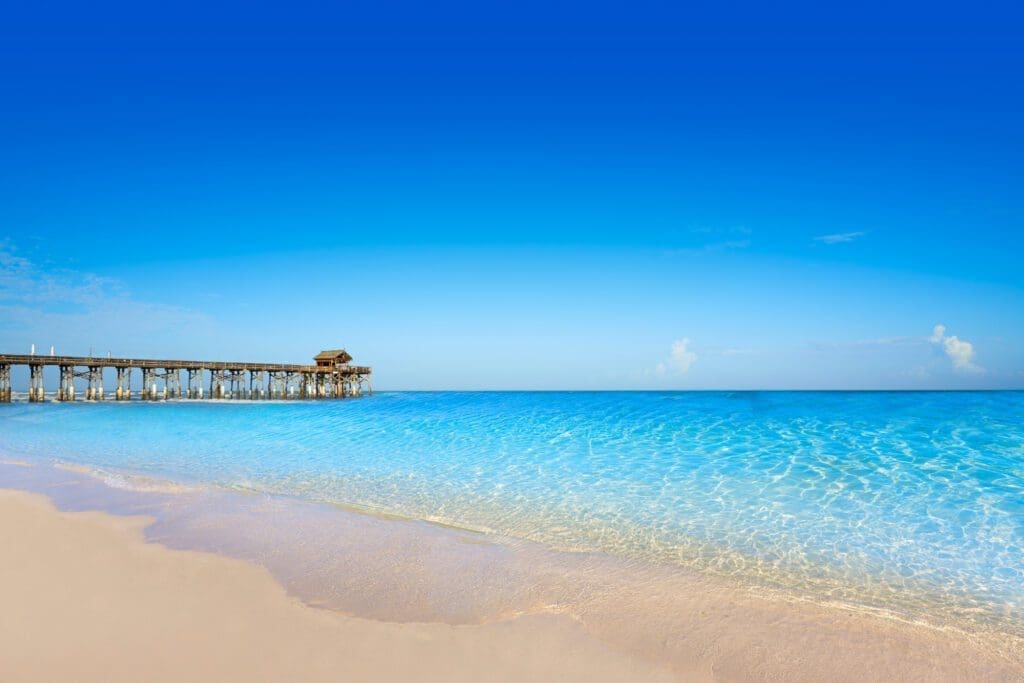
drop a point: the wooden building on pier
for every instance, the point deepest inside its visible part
(332, 358)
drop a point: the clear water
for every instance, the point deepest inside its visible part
(910, 502)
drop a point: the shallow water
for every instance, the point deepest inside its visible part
(907, 502)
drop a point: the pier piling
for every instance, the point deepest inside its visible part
(5, 383)
(256, 385)
(36, 393)
(66, 389)
(172, 380)
(195, 383)
(124, 384)
(94, 375)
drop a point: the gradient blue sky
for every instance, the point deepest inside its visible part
(536, 195)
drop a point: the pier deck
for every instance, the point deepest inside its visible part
(329, 377)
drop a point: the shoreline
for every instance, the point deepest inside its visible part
(85, 598)
(141, 483)
(405, 573)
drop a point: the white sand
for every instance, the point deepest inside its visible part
(84, 598)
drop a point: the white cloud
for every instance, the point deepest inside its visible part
(22, 281)
(681, 358)
(839, 237)
(77, 309)
(959, 351)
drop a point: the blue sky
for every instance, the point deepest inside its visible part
(535, 196)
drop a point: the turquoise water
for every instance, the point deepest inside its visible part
(912, 502)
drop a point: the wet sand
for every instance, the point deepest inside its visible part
(224, 587)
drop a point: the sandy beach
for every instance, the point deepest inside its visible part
(86, 599)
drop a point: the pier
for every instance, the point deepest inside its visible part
(330, 376)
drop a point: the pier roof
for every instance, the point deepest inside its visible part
(334, 354)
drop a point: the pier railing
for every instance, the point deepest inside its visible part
(161, 379)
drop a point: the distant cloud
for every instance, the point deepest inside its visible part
(76, 308)
(737, 237)
(711, 246)
(713, 239)
(959, 351)
(736, 351)
(839, 237)
(728, 244)
(681, 358)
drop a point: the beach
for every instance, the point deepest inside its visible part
(97, 596)
(698, 536)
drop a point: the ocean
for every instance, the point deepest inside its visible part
(901, 501)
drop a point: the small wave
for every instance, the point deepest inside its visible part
(129, 482)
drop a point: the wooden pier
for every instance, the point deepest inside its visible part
(330, 376)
